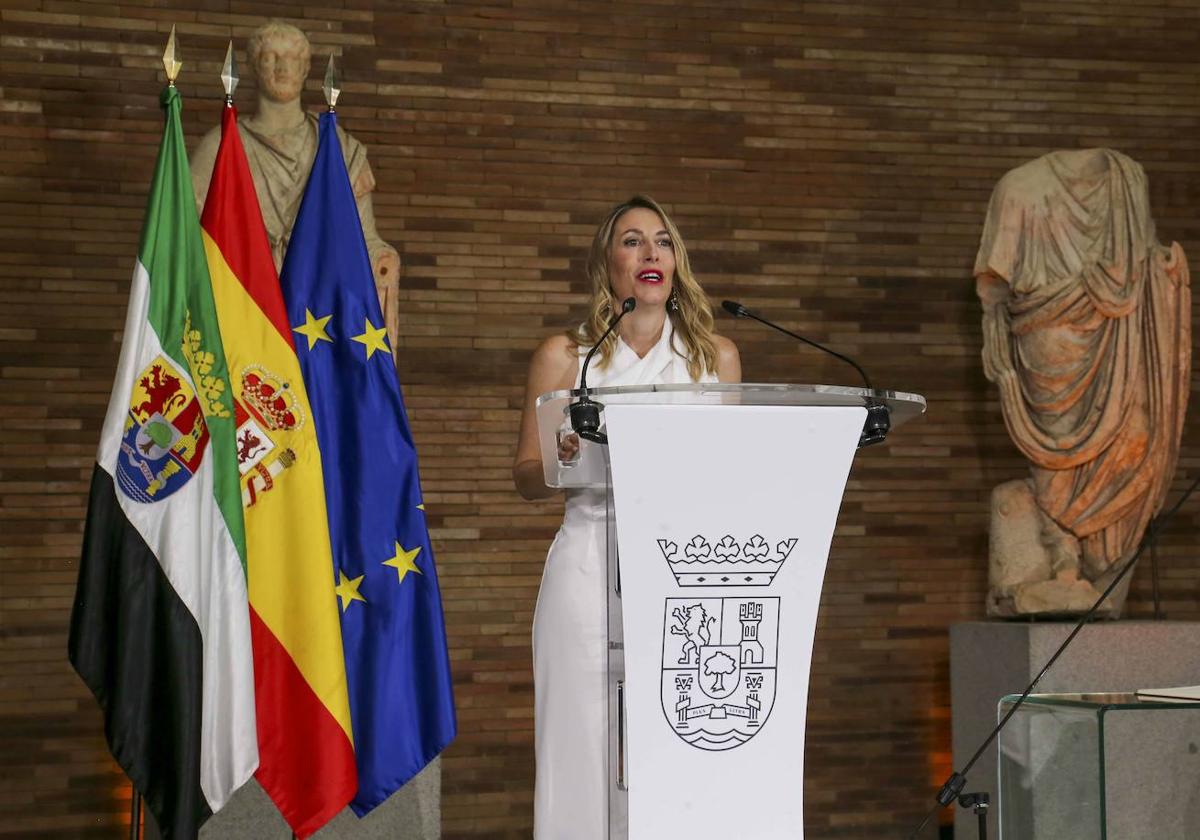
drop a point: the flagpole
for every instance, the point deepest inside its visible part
(135, 816)
(229, 80)
(331, 90)
(332, 86)
(172, 65)
(229, 75)
(327, 270)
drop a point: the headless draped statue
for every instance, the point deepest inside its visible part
(281, 142)
(1087, 333)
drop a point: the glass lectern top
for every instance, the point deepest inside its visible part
(1099, 701)
(587, 469)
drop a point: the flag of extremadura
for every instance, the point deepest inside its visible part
(160, 630)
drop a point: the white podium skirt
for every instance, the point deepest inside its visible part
(724, 519)
(570, 644)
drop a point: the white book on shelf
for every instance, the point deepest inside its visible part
(1177, 694)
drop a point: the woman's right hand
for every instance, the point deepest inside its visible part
(568, 448)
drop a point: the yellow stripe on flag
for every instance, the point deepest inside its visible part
(289, 561)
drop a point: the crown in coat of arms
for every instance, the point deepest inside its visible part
(727, 563)
(270, 399)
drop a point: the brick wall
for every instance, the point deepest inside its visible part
(827, 162)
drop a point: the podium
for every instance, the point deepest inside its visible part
(721, 505)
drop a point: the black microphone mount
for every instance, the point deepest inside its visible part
(879, 420)
(585, 412)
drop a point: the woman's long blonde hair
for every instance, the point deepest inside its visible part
(692, 321)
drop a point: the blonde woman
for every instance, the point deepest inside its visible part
(668, 338)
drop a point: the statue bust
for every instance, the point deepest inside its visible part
(281, 142)
(1087, 333)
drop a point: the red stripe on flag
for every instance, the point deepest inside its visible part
(311, 778)
(240, 234)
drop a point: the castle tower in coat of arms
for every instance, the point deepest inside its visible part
(750, 615)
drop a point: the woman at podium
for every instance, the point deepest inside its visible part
(667, 338)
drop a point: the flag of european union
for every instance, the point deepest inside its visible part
(397, 665)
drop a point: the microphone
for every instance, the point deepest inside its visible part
(879, 419)
(585, 412)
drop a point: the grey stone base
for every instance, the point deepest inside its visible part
(991, 659)
(412, 813)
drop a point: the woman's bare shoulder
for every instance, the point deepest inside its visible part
(555, 361)
(724, 345)
(726, 349)
(556, 345)
(729, 362)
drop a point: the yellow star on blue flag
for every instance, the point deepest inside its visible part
(313, 328)
(347, 590)
(404, 561)
(373, 338)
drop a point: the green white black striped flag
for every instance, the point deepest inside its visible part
(160, 629)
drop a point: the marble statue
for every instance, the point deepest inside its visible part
(281, 141)
(1087, 334)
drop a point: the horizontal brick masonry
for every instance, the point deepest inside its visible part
(828, 163)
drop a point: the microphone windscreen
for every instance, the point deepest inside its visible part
(733, 308)
(628, 304)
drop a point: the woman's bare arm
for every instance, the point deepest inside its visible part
(552, 368)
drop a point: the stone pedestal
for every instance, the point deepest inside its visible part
(991, 659)
(412, 813)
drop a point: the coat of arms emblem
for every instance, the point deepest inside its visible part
(266, 411)
(720, 654)
(165, 435)
(718, 668)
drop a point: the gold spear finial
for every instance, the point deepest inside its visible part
(332, 86)
(171, 62)
(229, 74)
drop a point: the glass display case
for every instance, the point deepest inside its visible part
(1099, 767)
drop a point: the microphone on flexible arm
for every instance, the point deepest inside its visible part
(879, 419)
(585, 412)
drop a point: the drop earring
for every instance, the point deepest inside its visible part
(673, 303)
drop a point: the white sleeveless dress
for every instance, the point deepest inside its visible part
(570, 635)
